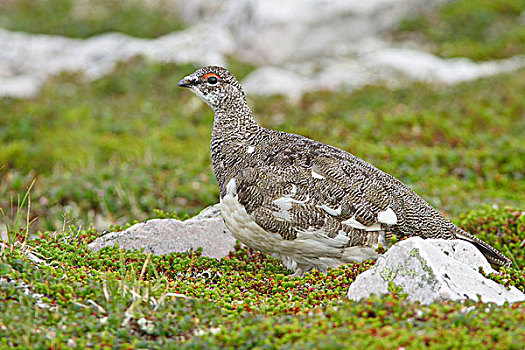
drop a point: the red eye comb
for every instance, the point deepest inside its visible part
(206, 76)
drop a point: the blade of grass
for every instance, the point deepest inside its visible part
(12, 231)
(20, 205)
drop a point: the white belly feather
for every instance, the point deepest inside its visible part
(308, 249)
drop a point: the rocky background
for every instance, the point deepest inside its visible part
(297, 46)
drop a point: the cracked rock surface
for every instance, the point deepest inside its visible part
(164, 236)
(433, 270)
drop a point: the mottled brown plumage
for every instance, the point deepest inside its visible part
(307, 203)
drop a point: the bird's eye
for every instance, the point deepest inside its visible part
(212, 80)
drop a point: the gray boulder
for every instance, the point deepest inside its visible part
(433, 270)
(164, 236)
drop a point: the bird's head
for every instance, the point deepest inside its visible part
(214, 85)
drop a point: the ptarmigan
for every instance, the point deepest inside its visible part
(306, 203)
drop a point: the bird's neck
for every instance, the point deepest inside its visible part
(236, 118)
(234, 133)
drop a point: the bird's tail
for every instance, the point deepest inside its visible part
(491, 253)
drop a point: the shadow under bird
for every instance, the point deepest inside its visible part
(308, 204)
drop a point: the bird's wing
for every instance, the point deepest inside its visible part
(324, 197)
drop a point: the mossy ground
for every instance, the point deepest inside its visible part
(85, 18)
(131, 146)
(480, 30)
(115, 149)
(111, 298)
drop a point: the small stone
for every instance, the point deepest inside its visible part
(434, 275)
(165, 236)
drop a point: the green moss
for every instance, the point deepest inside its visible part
(502, 228)
(81, 19)
(246, 300)
(117, 148)
(481, 29)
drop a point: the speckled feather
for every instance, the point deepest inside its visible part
(290, 187)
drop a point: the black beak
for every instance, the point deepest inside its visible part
(183, 83)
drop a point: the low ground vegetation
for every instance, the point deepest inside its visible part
(111, 151)
(480, 30)
(80, 298)
(82, 19)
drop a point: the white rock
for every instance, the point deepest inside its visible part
(276, 81)
(299, 45)
(276, 32)
(379, 65)
(427, 274)
(164, 236)
(26, 60)
(422, 66)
